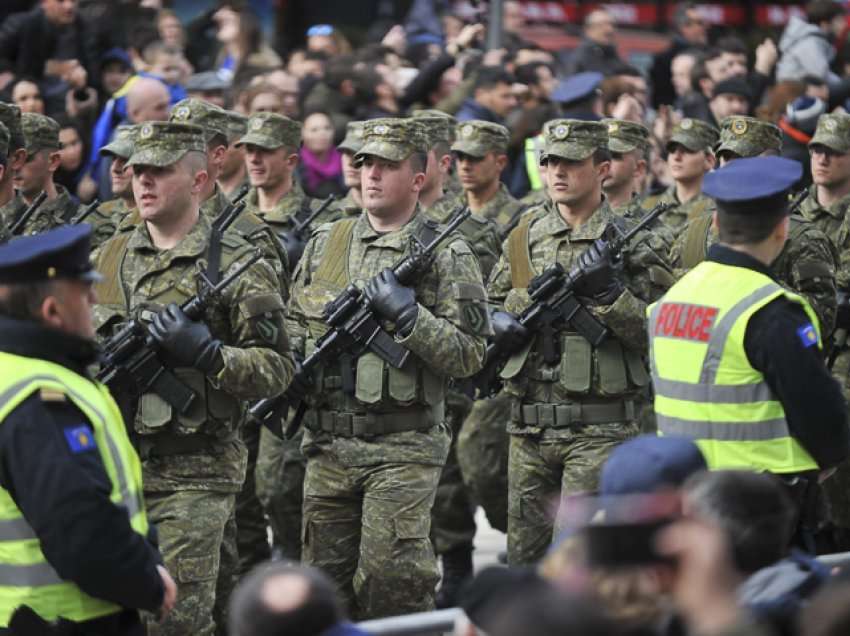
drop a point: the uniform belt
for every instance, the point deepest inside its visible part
(364, 424)
(575, 414)
(168, 444)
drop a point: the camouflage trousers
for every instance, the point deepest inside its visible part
(251, 526)
(542, 471)
(482, 452)
(836, 489)
(453, 515)
(279, 481)
(191, 526)
(367, 527)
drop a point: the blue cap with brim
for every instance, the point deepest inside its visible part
(649, 463)
(751, 179)
(577, 87)
(59, 253)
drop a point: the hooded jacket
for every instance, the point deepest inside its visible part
(805, 50)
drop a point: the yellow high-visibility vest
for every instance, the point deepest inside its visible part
(705, 387)
(26, 578)
(533, 148)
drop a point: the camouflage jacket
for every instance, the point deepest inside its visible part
(346, 206)
(447, 340)
(248, 319)
(9, 213)
(482, 234)
(612, 372)
(676, 217)
(252, 229)
(280, 217)
(501, 208)
(51, 213)
(104, 220)
(807, 263)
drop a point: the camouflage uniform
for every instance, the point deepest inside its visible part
(104, 220)
(695, 135)
(352, 143)
(566, 417)
(807, 263)
(194, 463)
(625, 137)
(374, 458)
(42, 133)
(5, 140)
(10, 116)
(452, 186)
(833, 131)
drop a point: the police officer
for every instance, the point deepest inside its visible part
(629, 145)
(375, 450)
(76, 544)
(41, 135)
(808, 262)
(109, 214)
(690, 156)
(736, 358)
(568, 414)
(193, 460)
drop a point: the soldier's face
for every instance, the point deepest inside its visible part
(163, 193)
(623, 171)
(830, 169)
(479, 173)
(121, 177)
(686, 165)
(34, 174)
(234, 160)
(350, 173)
(574, 182)
(269, 168)
(389, 186)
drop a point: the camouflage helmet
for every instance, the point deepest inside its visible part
(353, 141)
(272, 131)
(573, 139)
(833, 131)
(162, 143)
(213, 119)
(10, 116)
(122, 143)
(694, 134)
(40, 132)
(748, 136)
(477, 137)
(392, 138)
(626, 136)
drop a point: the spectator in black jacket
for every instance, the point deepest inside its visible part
(691, 33)
(597, 51)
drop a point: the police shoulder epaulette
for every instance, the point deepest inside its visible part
(52, 395)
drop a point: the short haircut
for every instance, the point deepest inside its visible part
(441, 149)
(527, 73)
(22, 301)
(680, 15)
(218, 139)
(251, 616)
(753, 509)
(491, 76)
(732, 44)
(419, 161)
(600, 155)
(735, 228)
(823, 11)
(195, 161)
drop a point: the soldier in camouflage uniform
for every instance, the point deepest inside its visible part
(451, 184)
(807, 263)
(106, 218)
(826, 206)
(375, 453)
(690, 156)
(41, 135)
(567, 416)
(233, 176)
(352, 203)
(629, 146)
(480, 149)
(193, 462)
(5, 141)
(11, 202)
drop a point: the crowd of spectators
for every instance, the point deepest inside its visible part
(724, 563)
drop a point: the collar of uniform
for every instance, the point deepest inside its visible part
(593, 228)
(216, 203)
(727, 256)
(398, 240)
(500, 199)
(57, 206)
(130, 219)
(194, 244)
(23, 338)
(287, 206)
(837, 210)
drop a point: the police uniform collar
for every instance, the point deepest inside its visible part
(32, 340)
(194, 244)
(727, 256)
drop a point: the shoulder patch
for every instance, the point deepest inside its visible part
(52, 395)
(80, 439)
(808, 335)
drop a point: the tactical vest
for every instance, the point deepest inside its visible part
(607, 371)
(705, 386)
(384, 399)
(533, 148)
(214, 412)
(26, 578)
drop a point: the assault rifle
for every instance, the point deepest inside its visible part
(130, 356)
(85, 213)
(241, 193)
(18, 226)
(554, 306)
(354, 329)
(295, 238)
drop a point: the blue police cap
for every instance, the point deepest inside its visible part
(577, 87)
(749, 179)
(647, 463)
(59, 253)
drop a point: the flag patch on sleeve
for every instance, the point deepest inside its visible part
(80, 439)
(807, 335)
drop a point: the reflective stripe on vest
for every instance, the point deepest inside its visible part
(25, 575)
(533, 148)
(705, 386)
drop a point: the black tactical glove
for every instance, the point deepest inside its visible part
(186, 342)
(600, 278)
(508, 332)
(301, 385)
(293, 246)
(393, 301)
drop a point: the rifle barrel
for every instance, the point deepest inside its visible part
(22, 220)
(86, 213)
